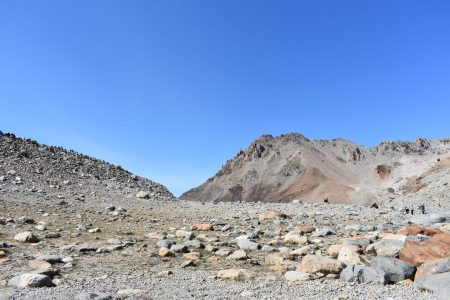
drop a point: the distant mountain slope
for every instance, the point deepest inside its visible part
(293, 167)
(53, 172)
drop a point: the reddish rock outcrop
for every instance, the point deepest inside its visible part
(416, 229)
(419, 252)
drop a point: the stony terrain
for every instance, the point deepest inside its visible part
(128, 238)
(293, 167)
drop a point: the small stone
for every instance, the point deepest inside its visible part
(165, 252)
(129, 292)
(31, 280)
(295, 238)
(26, 237)
(233, 274)
(52, 259)
(143, 195)
(202, 227)
(238, 255)
(93, 296)
(296, 276)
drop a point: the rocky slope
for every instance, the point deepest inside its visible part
(293, 167)
(48, 172)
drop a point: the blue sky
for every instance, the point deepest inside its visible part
(172, 89)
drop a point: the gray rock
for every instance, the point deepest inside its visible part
(25, 220)
(363, 274)
(324, 231)
(52, 259)
(30, 280)
(430, 219)
(357, 227)
(267, 248)
(195, 244)
(178, 248)
(245, 244)
(93, 296)
(437, 283)
(385, 226)
(388, 247)
(395, 269)
(165, 243)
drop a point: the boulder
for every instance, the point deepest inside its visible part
(431, 267)
(363, 274)
(322, 264)
(416, 230)
(438, 284)
(333, 251)
(348, 255)
(30, 280)
(418, 252)
(395, 269)
(388, 247)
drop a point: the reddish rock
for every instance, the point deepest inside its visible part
(419, 252)
(416, 230)
(202, 227)
(272, 214)
(305, 229)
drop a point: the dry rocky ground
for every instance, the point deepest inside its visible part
(83, 229)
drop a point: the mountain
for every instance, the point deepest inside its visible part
(48, 172)
(293, 167)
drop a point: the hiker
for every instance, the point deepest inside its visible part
(422, 208)
(406, 210)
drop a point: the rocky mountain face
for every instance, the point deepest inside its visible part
(55, 173)
(292, 167)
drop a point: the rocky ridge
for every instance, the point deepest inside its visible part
(292, 167)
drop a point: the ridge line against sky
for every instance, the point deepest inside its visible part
(172, 90)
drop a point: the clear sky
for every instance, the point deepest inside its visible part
(172, 89)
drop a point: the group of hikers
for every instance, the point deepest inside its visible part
(407, 210)
(411, 210)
